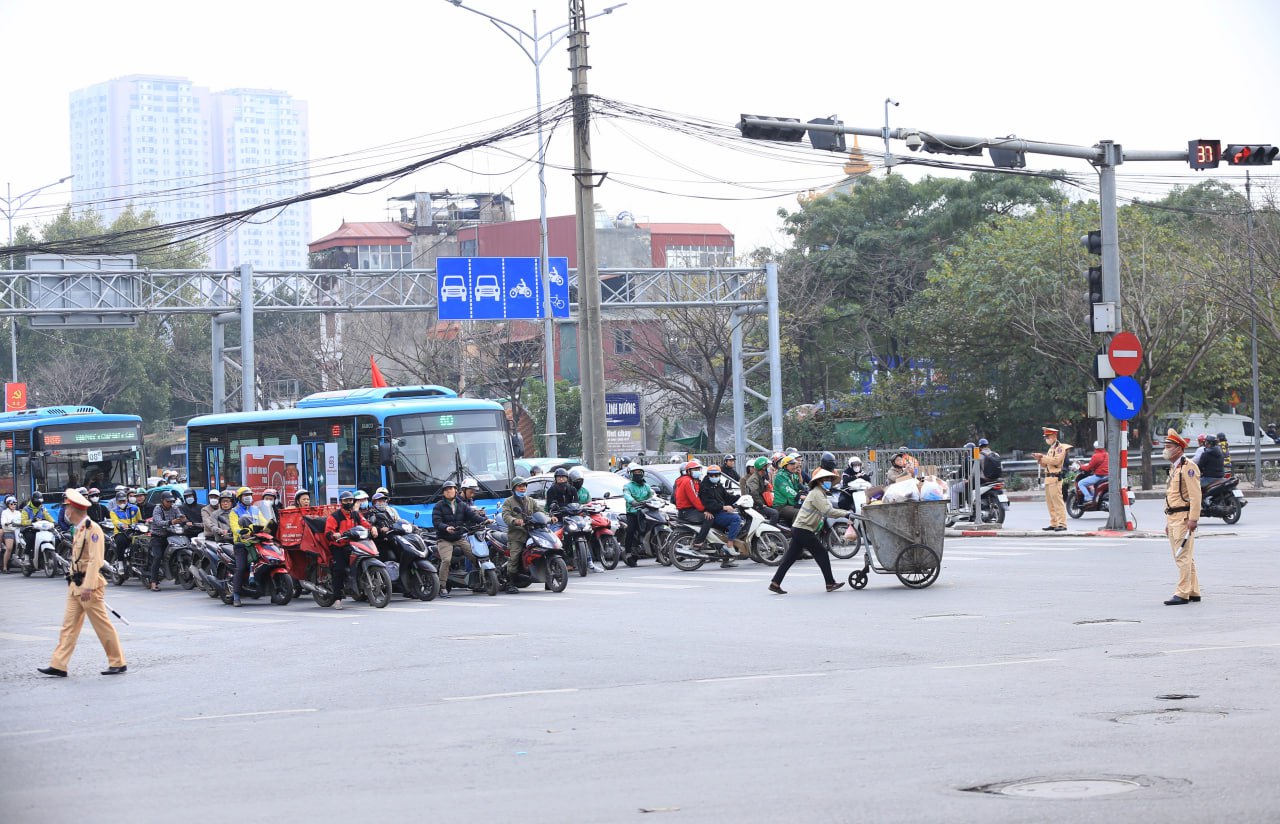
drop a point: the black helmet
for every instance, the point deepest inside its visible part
(983, 442)
(166, 496)
(1221, 436)
(37, 497)
(827, 462)
(561, 472)
(346, 495)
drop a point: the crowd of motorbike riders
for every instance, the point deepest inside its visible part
(778, 487)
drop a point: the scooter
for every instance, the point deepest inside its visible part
(765, 542)
(178, 554)
(368, 578)
(655, 533)
(605, 527)
(482, 575)
(402, 545)
(31, 553)
(211, 561)
(543, 558)
(55, 558)
(135, 559)
(687, 558)
(575, 533)
(1076, 504)
(267, 575)
(1223, 500)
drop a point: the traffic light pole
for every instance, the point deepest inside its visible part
(1105, 156)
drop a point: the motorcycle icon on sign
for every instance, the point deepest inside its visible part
(521, 290)
(555, 277)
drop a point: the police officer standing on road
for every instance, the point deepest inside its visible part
(1182, 513)
(84, 593)
(1051, 462)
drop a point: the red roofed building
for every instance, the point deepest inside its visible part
(373, 245)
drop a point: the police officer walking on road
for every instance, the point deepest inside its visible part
(85, 593)
(1051, 462)
(1182, 514)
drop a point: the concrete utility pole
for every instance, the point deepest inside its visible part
(590, 337)
(1105, 156)
(1253, 340)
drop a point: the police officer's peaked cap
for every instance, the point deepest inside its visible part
(74, 498)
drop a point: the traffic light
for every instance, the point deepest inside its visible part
(1095, 284)
(1092, 242)
(830, 141)
(1254, 154)
(773, 130)
(1204, 154)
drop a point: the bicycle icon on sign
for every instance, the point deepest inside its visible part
(521, 290)
(557, 302)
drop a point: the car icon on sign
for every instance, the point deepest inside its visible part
(487, 287)
(453, 287)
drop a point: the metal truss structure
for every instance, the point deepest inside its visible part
(238, 294)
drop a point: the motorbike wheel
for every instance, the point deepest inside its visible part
(991, 512)
(610, 553)
(50, 566)
(1231, 510)
(28, 567)
(582, 558)
(685, 562)
(376, 583)
(281, 589)
(326, 597)
(770, 547)
(557, 574)
(430, 586)
(1075, 506)
(182, 574)
(662, 550)
(491, 582)
(839, 547)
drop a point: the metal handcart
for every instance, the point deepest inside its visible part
(903, 539)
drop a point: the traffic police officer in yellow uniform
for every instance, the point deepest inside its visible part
(85, 593)
(1182, 513)
(1051, 462)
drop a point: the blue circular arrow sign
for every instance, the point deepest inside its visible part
(1124, 398)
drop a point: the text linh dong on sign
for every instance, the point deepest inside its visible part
(622, 408)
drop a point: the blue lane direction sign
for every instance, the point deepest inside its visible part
(488, 288)
(1124, 398)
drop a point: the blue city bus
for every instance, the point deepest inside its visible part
(54, 448)
(410, 439)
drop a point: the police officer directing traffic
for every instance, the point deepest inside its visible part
(85, 593)
(1182, 514)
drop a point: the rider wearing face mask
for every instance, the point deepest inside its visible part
(516, 512)
(804, 538)
(244, 519)
(338, 522)
(689, 502)
(720, 512)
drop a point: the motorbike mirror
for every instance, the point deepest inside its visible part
(388, 451)
(608, 494)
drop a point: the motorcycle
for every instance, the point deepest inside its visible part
(686, 558)
(1223, 500)
(543, 558)
(482, 574)
(178, 554)
(1072, 497)
(605, 527)
(38, 550)
(655, 533)
(135, 559)
(211, 561)
(267, 574)
(368, 578)
(402, 545)
(575, 533)
(765, 542)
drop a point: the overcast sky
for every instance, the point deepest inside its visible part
(1149, 75)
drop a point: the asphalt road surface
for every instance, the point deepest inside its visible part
(1029, 684)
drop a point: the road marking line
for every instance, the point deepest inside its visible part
(663, 586)
(21, 732)
(249, 714)
(16, 636)
(507, 694)
(549, 598)
(1214, 649)
(475, 606)
(760, 677)
(157, 625)
(997, 663)
(594, 590)
(230, 620)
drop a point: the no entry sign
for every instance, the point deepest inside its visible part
(1125, 353)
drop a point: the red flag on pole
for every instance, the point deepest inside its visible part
(378, 380)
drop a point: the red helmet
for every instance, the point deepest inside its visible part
(1201, 438)
(692, 465)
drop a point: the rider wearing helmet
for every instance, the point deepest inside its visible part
(97, 510)
(516, 512)
(381, 514)
(35, 510)
(729, 467)
(760, 488)
(164, 516)
(190, 507)
(362, 499)
(561, 493)
(347, 515)
(687, 500)
(828, 462)
(10, 520)
(470, 486)
(992, 465)
(450, 519)
(717, 503)
(269, 506)
(209, 516)
(1212, 461)
(623, 463)
(302, 498)
(243, 520)
(577, 477)
(124, 515)
(635, 492)
(786, 488)
(852, 471)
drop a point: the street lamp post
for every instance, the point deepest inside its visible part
(9, 210)
(536, 52)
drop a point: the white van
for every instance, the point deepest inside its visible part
(1237, 428)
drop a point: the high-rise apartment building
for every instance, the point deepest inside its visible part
(182, 151)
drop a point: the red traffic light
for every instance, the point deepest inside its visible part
(1252, 154)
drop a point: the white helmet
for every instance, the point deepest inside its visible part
(470, 483)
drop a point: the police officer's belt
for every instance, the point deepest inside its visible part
(1053, 474)
(1169, 510)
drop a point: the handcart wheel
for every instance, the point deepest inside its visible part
(918, 566)
(858, 579)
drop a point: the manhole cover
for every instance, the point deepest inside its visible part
(1066, 788)
(1170, 716)
(1108, 621)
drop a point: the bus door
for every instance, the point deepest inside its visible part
(213, 460)
(314, 479)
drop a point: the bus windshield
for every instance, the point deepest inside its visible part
(429, 446)
(100, 455)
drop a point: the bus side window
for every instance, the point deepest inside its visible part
(23, 476)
